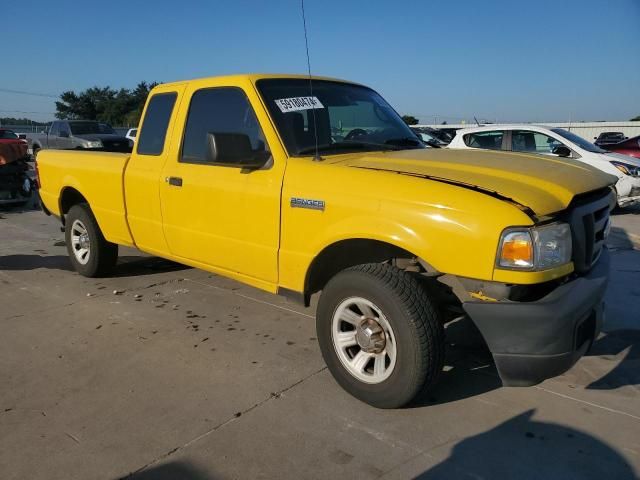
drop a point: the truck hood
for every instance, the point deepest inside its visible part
(541, 183)
(102, 136)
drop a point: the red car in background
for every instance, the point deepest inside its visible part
(15, 184)
(630, 146)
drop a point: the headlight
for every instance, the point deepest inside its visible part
(627, 169)
(535, 248)
(96, 144)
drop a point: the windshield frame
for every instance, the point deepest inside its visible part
(578, 141)
(341, 146)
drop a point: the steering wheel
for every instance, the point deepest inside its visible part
(355, 133)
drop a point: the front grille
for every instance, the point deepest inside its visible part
(589, 219)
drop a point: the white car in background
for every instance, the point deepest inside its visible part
(557, 142)
(131, 134)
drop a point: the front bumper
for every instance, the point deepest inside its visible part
(533, 341)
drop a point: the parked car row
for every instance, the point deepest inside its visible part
(560, 143)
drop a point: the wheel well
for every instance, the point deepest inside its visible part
(348, 253)
(68, 198)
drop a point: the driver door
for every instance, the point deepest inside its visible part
(219, 215)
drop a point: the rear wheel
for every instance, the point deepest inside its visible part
(380, 335)
(90, 254)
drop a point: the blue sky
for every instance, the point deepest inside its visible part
(499, 60)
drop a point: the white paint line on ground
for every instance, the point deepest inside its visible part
(595, 405)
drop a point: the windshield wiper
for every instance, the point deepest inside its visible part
(345, 145)
(404, 142)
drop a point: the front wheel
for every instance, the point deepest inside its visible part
(90, 254)
(380, 334)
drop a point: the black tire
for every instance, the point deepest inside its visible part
(102, 254)
(418, 331)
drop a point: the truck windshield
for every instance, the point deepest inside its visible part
(347, 117)
(581, 142)
(89, 128)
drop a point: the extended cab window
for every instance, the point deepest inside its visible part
(155, 124)
(226, 113)
(53, 131)
(535, 142)
(488, 140)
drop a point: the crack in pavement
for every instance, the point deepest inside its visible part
(234, 417)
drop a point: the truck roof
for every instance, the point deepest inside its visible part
(252, 77)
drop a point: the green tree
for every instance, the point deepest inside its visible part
(636, 119)
(410, 119)
(118, 107)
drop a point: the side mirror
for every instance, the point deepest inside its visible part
(63, 134)
(234, 150)
(22, 136)
(562, 151)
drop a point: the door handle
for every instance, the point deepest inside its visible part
(174, 181)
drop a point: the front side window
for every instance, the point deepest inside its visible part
(156, 121)
(84, 128)
(534, 142)
(226, 113)
(339, 117)
(53, 131)
(579, 141)
(487, 140)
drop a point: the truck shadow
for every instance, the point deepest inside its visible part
(170, 471)
(469, 369)
(618, 343)
(128, 266)
(524, 448)
(137, 266)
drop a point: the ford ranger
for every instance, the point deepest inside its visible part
(298, 186)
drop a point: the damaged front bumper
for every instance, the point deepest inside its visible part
(536, 340)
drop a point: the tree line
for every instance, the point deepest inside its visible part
(21, 121)
(121, 107)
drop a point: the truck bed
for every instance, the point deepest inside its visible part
(98, 175)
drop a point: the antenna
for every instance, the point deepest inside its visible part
(316, 157)
(477, 123)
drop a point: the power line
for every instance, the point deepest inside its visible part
(33, 94)
(21, 111)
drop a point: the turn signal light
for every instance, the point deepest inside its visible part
(517, 250)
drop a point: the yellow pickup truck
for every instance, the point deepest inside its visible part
(297, 186)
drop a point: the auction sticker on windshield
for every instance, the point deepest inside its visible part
(298, 103)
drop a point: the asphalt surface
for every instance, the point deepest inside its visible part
(163, 371)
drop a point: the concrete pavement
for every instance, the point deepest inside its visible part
(163, 371)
